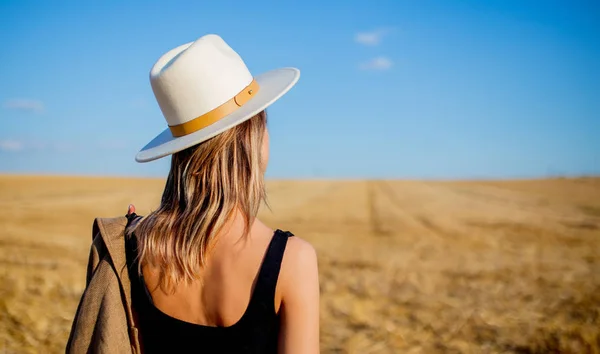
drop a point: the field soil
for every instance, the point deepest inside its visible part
(405, 266)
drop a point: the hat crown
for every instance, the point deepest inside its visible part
(197, 77)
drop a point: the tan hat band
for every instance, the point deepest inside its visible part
(216, 114)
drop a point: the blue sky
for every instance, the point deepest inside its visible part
(389, 89)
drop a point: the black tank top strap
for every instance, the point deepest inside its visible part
(263, 297)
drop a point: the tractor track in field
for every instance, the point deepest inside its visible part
(380, 192)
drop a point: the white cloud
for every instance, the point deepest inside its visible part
(25, 104)
(378, 63)
(371, 38)
(11, 145)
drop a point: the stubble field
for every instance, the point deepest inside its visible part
(405, 266)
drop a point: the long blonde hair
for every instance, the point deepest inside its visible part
(206, 184)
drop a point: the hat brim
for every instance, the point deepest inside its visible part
(273, 84)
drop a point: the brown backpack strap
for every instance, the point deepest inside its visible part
(131, 255)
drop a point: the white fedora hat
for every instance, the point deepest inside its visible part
(204, 88)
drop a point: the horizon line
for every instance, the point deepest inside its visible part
(4, 174)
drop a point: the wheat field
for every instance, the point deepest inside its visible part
(405, 266)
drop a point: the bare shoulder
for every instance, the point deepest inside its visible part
(299, 252)
(299, 298)
(299, 266)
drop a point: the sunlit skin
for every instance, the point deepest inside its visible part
(229, 276)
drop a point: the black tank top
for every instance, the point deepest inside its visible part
(256, 332)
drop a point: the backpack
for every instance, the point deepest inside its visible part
(104, 321)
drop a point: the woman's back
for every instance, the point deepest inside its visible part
(228, 279)
(234, 305)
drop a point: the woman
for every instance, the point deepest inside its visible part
(210, 277)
